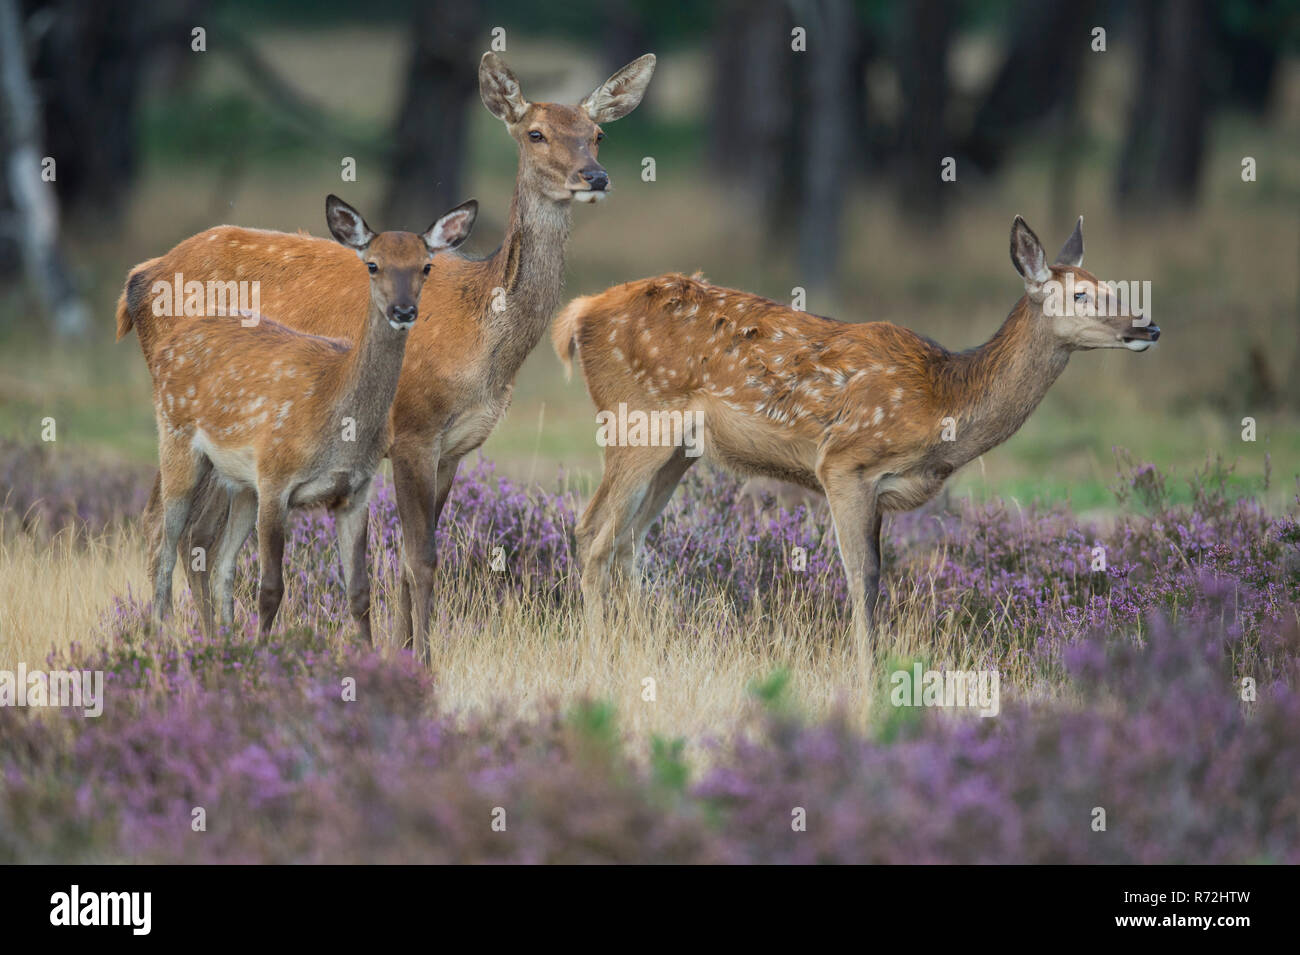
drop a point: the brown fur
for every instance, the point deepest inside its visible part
(855, 411)
(284, 418)
(464, 353)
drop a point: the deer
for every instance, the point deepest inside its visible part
(480, 319)
(871, 415)
(283, 418)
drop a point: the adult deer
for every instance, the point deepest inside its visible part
(284, 418)
(872, 415)
(480, 318)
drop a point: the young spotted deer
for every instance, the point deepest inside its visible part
(283, 418)
(872, 415)
(480, 317)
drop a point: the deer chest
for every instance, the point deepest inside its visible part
(468, 429)
(902, 492)
(339, 475)
(334, 488)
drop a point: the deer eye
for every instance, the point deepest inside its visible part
(427, 266)
(536, 136)
(373, 267)
(600, 137)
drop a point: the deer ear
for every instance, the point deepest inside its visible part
(453, 228)
(622, 92)
(346, 224)
(500, 90)
(1027, 255)
(1072, 251)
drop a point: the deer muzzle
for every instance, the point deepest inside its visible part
(402, 317)
(1140, 337)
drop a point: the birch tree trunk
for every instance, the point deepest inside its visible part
(35, 204)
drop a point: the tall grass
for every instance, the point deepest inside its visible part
(724, 703)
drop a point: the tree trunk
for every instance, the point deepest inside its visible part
(86, 68)
(827, 138)
(752, 109)
(626, 33)
(1164, 150)
(1252, 36)
(1186, 50)
(923, 77)
(35, 203)
(430, 138)
(1040, 71)
(1294, 378)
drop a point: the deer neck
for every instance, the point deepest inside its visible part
(530, 271)
(369, 380)
(991, 390)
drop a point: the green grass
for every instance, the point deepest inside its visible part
(1224, 277)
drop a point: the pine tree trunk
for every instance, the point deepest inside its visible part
(430, 136)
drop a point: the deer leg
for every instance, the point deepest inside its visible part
(271, 512)
(592, 580)
(352, 526)
(855, 510)
(204, 530)
(151, 523)
(410, 514)
(662, 486)
(446, 476)
(182, 468)
(875, 564)
(610, 517)
(422, 487)
(200, 589)
(241, 516)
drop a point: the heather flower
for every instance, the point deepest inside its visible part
(1174, 664)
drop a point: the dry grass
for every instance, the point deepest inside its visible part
(1224, 278)
(54, 594)
(703, 675)
(517, 653)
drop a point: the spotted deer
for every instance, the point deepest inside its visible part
(282, 418)
(479, 318)
(873, 416)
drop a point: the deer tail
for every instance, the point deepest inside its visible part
(131, 303)
(564, 331)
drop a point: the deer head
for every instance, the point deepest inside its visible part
(558, 144)
(398, 261)
(1083, 312)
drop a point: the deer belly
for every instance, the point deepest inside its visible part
(751, 446)
(237, 467)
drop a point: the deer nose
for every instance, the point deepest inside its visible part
(402, 313)
(597, 178)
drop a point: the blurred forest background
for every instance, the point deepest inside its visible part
(773, 169)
